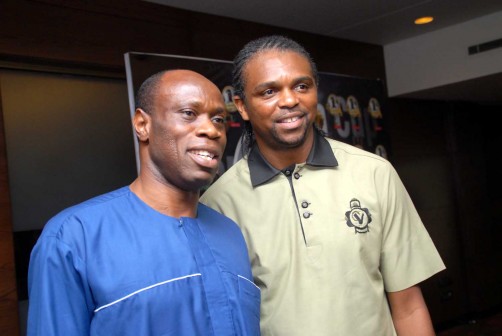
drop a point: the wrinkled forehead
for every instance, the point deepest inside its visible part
(189, 89)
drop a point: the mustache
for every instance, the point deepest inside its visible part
(286, 112)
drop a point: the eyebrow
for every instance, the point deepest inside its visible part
(221, 110)
(265, 85)
(195, 103)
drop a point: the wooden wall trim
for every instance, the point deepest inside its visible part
(98, 33)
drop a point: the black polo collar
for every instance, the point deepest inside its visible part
(261, 171)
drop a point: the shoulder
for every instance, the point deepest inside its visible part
(73, 217)
(230, 182)
(216, 219)
(221, 230)
(352, 158)
(342, 149)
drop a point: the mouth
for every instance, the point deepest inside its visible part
(206, 159)
(288, 120)
(204, 154)
(291, 121)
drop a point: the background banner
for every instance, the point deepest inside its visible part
(349, 108)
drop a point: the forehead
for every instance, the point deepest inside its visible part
(268, 64)
(179, 88)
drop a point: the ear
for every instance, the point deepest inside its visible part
(241, 107)
(141, 124)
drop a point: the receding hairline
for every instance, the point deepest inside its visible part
(151, 87)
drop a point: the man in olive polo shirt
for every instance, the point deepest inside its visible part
(335, 242)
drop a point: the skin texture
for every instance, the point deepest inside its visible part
(281, 104)
(278, 86)
(186, 124)
(409, 313)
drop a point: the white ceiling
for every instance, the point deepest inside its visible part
(372, 21)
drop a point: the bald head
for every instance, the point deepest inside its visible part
(148, 91)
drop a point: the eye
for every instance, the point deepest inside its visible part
(268, 92)
(219, 119)
(302, 87)
(188, 114)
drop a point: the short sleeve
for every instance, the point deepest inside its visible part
(408, 252)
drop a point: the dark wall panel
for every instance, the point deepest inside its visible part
(444, 152)
(98, 33)
(68, 139)
(8, 294)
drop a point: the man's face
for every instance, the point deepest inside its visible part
(187, 131)
(281, 99)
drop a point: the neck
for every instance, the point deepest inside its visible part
(166, 199)
(281, 158)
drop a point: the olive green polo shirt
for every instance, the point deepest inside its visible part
(326, 239)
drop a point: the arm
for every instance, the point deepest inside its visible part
(58, 299)
(409, 312)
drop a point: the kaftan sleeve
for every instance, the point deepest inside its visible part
(60, 301)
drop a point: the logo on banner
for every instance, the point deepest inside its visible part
(381, 151)
(356, 121)
(354, 111)
(320, 118)
(357, 217)
(335, 109)
(333, 106)
(376, 114)
(228, 98)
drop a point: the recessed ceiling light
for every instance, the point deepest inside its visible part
(424, 20)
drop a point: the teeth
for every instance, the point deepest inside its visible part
(204, 154)
(290, 120)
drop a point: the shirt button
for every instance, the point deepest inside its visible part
(288, 172)
(306, 214)
(305, 204)
(297, 176)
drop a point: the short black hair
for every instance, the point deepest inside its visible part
(147, 91)
(272, 42)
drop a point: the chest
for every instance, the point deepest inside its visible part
(316, 217)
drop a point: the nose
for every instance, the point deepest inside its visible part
(209, 129)
(288, 98)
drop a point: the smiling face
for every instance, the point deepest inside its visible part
(184, 135)
(280, 101)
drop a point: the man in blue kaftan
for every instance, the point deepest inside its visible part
(149, 259)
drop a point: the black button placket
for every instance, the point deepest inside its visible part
(290, 173)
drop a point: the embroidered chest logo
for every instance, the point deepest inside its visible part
(358, 218)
